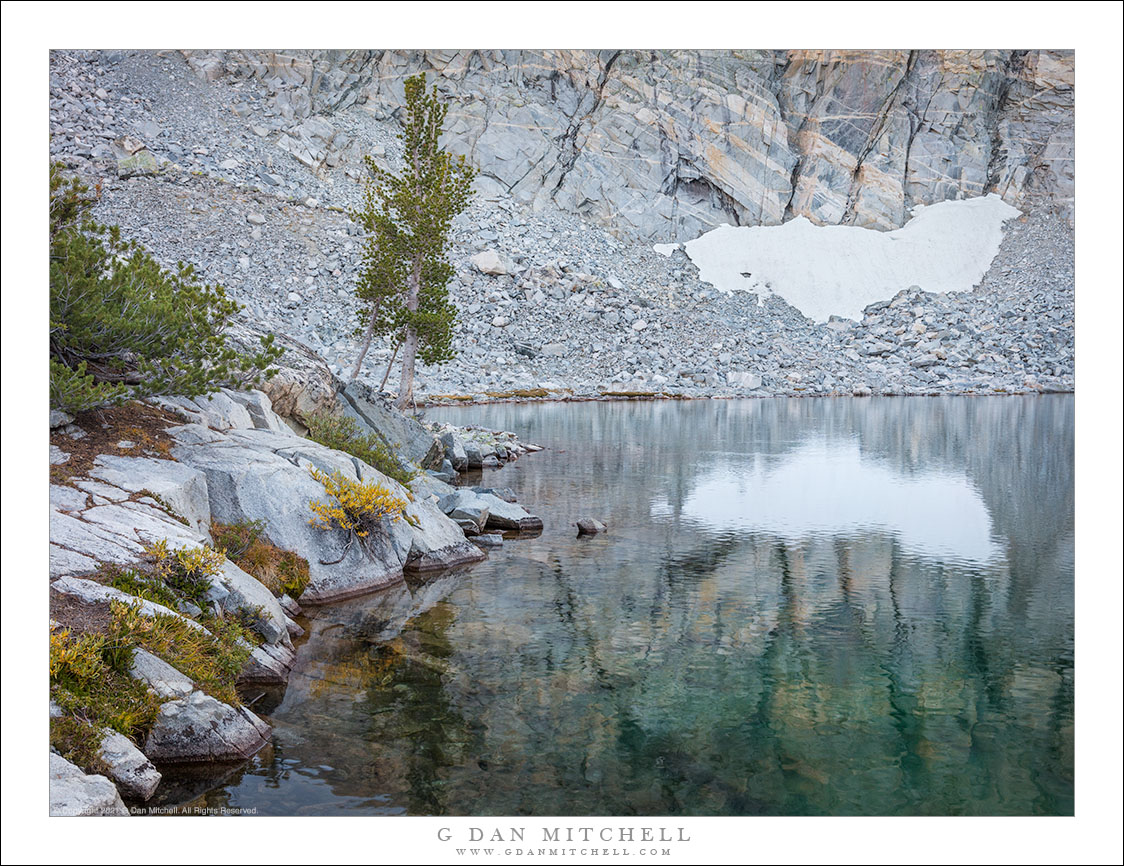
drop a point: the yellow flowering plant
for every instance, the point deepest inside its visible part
(353, 506)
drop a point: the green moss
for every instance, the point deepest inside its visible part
(342, 433)
(236, 538)
(79, 742)
(164, 506)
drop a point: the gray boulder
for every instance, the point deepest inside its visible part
(62, 562)
(509, 515)
(401, 433)
(590, 526)
(219, 411)
(91, 592)
(474, 455)
(140, 164)
(436, 542)
(259, 475)
(426, 486)
(135, 775)
(262, 475)
(260, 408)
(201, 729)
(744, 380)
(74, 794)
(246, 593)
(269, 664)
(490, 262)
(303, 385)
(455, 450)
(464, 505)
(160, 676)
(504, 493)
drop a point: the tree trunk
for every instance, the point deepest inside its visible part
(364, 348)
(406, 385)
(390, 366)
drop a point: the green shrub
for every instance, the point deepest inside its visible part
(353, 506)
(342, 433)
(123, 327)
(212, 661)
(186, 571)
(90, 679)
(90, 682)
(140, 584)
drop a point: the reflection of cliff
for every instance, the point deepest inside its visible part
(678, 666)
(730, 670)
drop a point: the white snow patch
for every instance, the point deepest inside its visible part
(839, 270)
(665, 249)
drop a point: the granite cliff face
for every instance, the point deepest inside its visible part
(664, 145)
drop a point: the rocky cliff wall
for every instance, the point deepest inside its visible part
(667, 144)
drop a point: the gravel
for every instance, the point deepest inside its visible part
(575, 310)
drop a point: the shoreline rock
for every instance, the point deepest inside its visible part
(76, 794)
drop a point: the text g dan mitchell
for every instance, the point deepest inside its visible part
(567, 834)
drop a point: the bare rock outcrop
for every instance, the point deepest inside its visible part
(667, 144)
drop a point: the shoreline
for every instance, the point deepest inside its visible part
(619, 397)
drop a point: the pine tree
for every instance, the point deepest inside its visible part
(407, 217)
(123, 327)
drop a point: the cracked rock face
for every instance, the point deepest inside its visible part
(667, 144)
(200, 728)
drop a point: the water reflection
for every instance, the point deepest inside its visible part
(827, 487)
(801, 607)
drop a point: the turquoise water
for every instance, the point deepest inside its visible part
(802, 607)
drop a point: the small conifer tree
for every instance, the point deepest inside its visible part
(405, 278)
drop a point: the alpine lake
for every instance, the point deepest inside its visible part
(800, 607)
